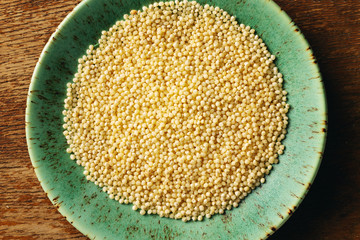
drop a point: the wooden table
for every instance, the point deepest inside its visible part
(330, 211)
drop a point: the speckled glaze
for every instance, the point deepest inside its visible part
(93, 213)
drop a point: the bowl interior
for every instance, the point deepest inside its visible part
(93, 213)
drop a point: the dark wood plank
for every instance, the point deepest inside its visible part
(330, 211)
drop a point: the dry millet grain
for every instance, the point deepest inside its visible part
(179, 110)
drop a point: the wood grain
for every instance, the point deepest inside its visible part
(330, 211)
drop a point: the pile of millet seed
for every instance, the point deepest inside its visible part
(179, 110)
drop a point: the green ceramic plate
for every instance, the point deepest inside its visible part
(93, 213)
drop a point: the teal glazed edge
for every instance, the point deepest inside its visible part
(96, 233)
(28, 125)
(323, 106)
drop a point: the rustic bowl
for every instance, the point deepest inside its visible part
(91, 211)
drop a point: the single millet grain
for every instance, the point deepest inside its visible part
(179, 110)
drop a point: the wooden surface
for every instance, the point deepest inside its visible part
(330, 211)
